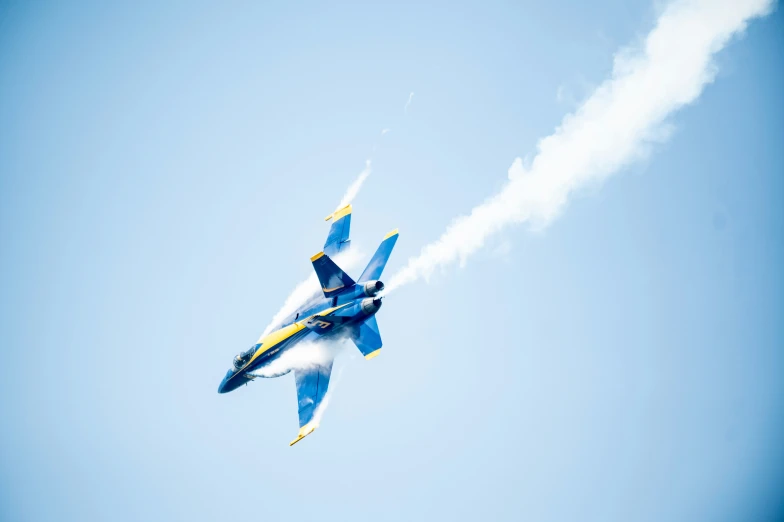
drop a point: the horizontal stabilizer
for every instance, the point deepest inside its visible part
(332, 278)
(379, 260)
(367, 338)
(337, 240)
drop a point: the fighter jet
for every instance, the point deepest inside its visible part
(344, 308)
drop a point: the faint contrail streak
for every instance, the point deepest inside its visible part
(353, 189)
(616, 125)
(408, 103)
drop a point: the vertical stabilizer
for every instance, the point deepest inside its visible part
(332, 278)
(379, 260)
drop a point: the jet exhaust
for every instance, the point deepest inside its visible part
(372, 288)
(371, 305)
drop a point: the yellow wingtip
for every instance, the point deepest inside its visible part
(339, 213)
(316, 256)
(345, 211)
(304, 431)
(393, 233)
(373, 354)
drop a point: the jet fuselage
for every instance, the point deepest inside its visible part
(344, 308)
(316, 322)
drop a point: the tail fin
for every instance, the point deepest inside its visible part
(379, 260)
(332, 278)
(337, 239)
(367, 338)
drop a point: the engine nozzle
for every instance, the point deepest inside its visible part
(372, 288)
(371, 305)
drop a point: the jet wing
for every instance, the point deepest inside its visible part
(332, 278)
(312, 384)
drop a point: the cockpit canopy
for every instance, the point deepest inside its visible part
(242, 358)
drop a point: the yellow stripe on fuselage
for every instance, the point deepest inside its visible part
(375, 353)
(278, 336)
(274, 338)
(394, 232)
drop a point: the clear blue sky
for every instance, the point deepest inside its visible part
(164, 174)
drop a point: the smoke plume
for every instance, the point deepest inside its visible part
(615, 126)
(353, 189)
(303, 356)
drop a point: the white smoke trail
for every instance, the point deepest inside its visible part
(305, 356)
(353, 189)
(301, 357)
(408, 103)
(300, 295)
(616, 125)
(334, 381)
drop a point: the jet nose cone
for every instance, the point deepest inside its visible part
(223, 387)
(231, 382)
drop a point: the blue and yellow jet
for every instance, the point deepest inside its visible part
(346, 308)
